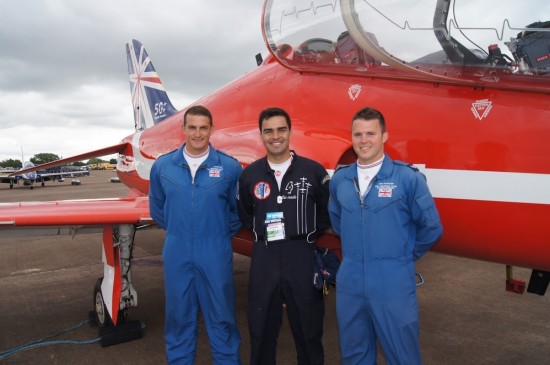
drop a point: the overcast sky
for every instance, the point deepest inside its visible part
(64, 84)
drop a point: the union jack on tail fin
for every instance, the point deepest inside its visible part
(149, 98)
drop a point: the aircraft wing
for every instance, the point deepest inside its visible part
(71, 216)
(47, 176)
(5, 178)
(8, 179)
(64, 161)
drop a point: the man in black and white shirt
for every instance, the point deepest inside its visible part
(283, 199)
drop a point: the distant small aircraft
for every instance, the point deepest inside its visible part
(40, 176)
(465, 89)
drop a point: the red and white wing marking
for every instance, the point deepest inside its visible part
(132, 210)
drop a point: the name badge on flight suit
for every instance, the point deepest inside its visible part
(275, 226)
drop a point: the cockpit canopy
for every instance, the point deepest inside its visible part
(465, 41)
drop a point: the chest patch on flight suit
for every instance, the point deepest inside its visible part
(262, 190)
(385, 189)
(215, 171)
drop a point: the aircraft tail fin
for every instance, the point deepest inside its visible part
(149, 99)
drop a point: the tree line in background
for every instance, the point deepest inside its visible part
(41, 158)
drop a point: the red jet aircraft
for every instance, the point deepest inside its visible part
(465, 90)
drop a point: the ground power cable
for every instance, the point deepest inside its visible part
(44, 342)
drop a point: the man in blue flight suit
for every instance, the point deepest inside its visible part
(192, 196)
(386, 218)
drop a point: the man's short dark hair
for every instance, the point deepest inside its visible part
(273, 112)
(197, 110)
(368, 113)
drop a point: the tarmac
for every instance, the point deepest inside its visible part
(46, 286)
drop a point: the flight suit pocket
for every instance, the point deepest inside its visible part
(428, 209)
(389, 203)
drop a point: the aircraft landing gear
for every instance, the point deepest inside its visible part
(101, 314)
(100, 310)
(114, 292)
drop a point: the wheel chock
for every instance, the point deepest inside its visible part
(124, 332)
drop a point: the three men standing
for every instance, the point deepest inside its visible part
(382, 210)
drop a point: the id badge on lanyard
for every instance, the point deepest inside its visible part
(275, 226)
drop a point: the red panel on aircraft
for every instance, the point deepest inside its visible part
(76, 212)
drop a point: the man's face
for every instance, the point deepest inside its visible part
(368, 140)
(276, 138)
(197, 131)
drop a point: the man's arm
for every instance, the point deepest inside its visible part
(334, 208)
(424, 213)
(323, 219)
(156, 197)
(244, 202)
(234, 220)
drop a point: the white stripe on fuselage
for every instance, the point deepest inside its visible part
(514, 187)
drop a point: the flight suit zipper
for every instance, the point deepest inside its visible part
(358, 190)
(362, 202)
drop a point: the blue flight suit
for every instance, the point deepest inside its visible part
(200, 217)
(382, 234)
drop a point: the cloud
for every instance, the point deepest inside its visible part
(63, 71)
